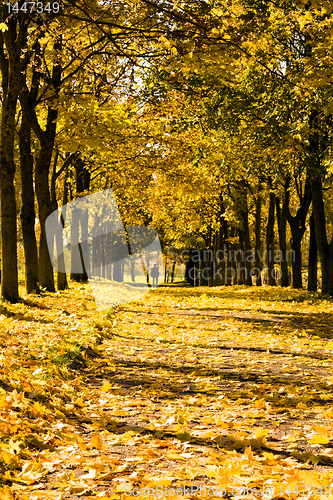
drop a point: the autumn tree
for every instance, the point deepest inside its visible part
(13, 61)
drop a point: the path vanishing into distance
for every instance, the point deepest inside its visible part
(187, 393)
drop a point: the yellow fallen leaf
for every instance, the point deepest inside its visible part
(90, 475)
(96, 442)
(222, 424)
(174, 456)
(317, 439)
(320, 429)
(309, 478)
(124, 488)
(106, 386)
(151, 453)
(158, 481)
(261, 432)
(5, 494)
(31, 471)
(82, 445)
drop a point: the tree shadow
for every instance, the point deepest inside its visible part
(170, 392)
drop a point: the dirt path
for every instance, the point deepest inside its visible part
(226, 389)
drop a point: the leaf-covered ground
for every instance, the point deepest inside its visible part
(190, 392)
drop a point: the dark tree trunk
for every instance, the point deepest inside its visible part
(46, 139)
(257, 251)
(12, 42)
(297, 227)
(173, 270)
(270, 241)
(133, 271)
(246, 242)
(76, 257)
(324, 249)
(96, 250)
(109, 260)
(82, 181)
(203, 273)
(104, 249)
(313, 258)
(230, 271)
(145, 270)
(296, 241)
(240, 258)
(45, 268)
(222, 255)
(27, 214)
(9, 276)
(207, 260)
(61, 276)
(210, 265)
(215, 275)
(281, 214)
(232, 256)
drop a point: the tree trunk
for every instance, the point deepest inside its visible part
(27, 214)
(173, 270)
(46, 139)
(232, 258)
(10, 66)
(270, 241)
(230, 269)
(76, 258)
(9, 276)
(215, 273)
(96, 249)
(313, 258)
(281, 214)
(82, 181)
(207, 271)
(240, 258)
(297, 227)
(45, 268)
(133, 271)
(296, 241)
(222, 251)
(324, 249)
(257, 252)
(108, 271)
(246, 242)
(61, 276)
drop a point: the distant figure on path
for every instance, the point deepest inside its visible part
(155, 274)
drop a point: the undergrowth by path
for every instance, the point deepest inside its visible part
(225, 389)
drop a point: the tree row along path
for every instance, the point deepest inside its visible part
(189, 393)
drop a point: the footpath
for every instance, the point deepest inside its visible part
(188, 393)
